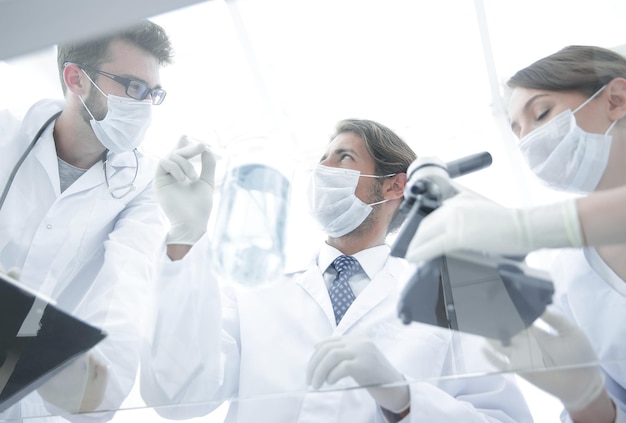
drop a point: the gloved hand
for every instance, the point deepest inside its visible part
(79, 387)
(358, 357)
(470, 222)
(575, 379)
(186, 199)
(13, 272)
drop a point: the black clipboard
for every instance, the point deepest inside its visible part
(37, 340)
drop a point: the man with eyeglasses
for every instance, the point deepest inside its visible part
(77, 214)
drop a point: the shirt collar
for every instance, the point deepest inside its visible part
(371, 259)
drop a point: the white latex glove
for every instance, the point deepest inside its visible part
(470, 222)
(359, 358)
(186, 198)
(13, 272)
(576, 379)
(79, 387)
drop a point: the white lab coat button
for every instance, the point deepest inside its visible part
(49, 226)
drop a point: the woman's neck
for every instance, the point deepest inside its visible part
(615, 257)
(615, 172)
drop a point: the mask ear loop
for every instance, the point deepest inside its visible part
(81, 97)
(378, 202)
(611, 127)
(591, 98)
(130, 187)
(389, 175)
(96, 85)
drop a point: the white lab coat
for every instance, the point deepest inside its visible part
(90, 252)
(594, 297)
(268, 336)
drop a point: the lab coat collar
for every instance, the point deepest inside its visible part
(371, 259)
(46, 154)
(121, 168)
(312, 281)
(38, 114)
(120, 171)
(383, 270)
(44, 150)
(383, 284)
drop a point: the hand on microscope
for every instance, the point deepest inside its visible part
(468, 221)
(557, 357)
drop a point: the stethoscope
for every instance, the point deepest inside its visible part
(112, 190)
(130, 187)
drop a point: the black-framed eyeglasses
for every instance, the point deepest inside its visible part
(134, 89)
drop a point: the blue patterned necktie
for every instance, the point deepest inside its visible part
(341, 295)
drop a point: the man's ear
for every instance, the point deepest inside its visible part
(394, 186)
(75, 79)
(617, 98)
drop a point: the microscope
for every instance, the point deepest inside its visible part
(468, 291)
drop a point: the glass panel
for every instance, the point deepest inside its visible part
(279, 74)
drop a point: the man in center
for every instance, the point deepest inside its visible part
(292, 351)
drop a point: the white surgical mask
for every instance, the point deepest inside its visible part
(125, 124)
(565, 157)
(333, 202)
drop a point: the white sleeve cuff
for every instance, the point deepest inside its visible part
(554, 225)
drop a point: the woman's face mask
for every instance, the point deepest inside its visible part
(564, 156)
(125, 124)
(333, 202)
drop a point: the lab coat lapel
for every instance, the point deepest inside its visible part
(313, 283)
(384, 284)
(120, 167)
(46, 154)
(93, 177)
